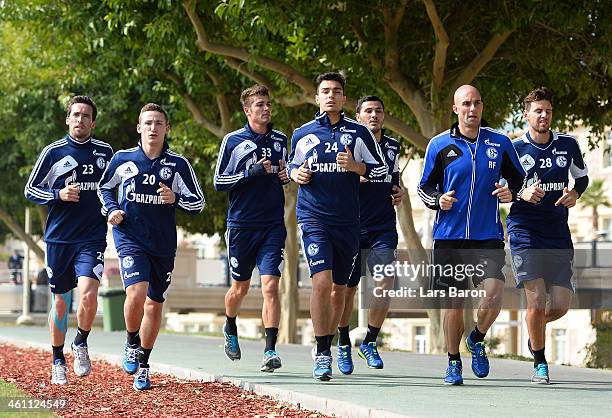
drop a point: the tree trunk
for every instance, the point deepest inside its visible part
(417, 255)
(21, 234)
(287, 332)
(43, 211)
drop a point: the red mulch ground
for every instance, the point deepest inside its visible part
(108, 391)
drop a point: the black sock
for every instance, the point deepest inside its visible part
(81, 337)
(539, 357)
(476, 336)
(133, 338)
(343, 336)
(58, 353)
(322, 344)
(271, 334)
(230, 325)
(371, 335)
(456, 357)
(143, 356)
(330, 337)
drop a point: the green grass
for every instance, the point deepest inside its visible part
(8, 390)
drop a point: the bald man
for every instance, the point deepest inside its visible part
(469, 169)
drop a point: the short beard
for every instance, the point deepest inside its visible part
(540, 131)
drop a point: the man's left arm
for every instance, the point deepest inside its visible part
(186, 187)
(579, 172)
(367, 151)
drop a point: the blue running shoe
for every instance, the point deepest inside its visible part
(323, 366)
(130, 358)
(369, 353)
(141, 380)
(271, 361)
(231, 347)
(480, 362)
(453, 373)
(540, 374)
(345, 359)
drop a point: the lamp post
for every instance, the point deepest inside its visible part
(25, 318)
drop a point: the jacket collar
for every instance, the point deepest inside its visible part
(323, 118)
(252, 133)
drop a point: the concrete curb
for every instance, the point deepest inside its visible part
(298, 399)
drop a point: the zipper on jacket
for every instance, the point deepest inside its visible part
(469, 211)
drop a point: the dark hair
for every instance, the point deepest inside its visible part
(330, 76)
(541, 93)
(85, 100)
(256, 90)
(368, 99)
(153, 107)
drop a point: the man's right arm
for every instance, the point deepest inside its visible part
(432, 177)
(227, 174)
(37, 188)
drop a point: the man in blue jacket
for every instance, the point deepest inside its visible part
(328, 155)
(251, 168)
(462, 180)
(65, 178)
(140, 191)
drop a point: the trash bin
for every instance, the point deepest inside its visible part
(112, 308)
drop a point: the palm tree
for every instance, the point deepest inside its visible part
(594, 197)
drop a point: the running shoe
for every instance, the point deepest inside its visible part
(453, 373)
(271, 361)
(540, 374)
(141, 380)
(323, 366)
(59, 373)
(345, 359)
(369, 353)
(231, 347)
(129, 364)
(480, 362)
(82, 364)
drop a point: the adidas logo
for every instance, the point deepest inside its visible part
(128, 170)
(247, 146)
(67, 164)
(309, 141)
(451, 153)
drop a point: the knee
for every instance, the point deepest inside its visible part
(152, 307)
(555, 314)
(537, 304)
(89, 299)
(240, 289)
(270, 290)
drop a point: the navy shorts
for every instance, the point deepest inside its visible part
(263, 247)
(379, 249)
(536, 257)
(65, 263)
(332, 248)
(456, 261)
(137, 266)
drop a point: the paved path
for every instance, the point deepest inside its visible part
(409, 385)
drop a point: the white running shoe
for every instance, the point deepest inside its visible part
(58, 373)
(82, 364)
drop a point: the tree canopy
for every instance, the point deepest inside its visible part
(194, 57)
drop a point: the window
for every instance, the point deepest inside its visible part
(559, 346)
(420, 340)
